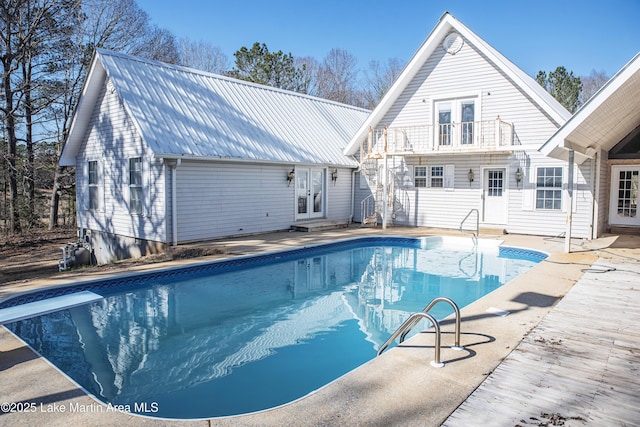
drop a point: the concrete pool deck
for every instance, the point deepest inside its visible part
(400, 387)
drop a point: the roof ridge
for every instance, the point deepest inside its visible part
(209, 74)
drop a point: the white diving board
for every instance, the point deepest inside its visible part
(49, 305)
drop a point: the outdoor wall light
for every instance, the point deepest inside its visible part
(518, 177)
(291, 176)
(334, 175)
(471, 176)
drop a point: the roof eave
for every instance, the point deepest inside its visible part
(80, 120)
(560, 143)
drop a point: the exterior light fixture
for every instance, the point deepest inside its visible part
(291, 176)
(334, 175)
(518, 177)
(471, 176)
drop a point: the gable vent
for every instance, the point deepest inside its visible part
(453, 43)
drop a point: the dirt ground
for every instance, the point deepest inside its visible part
(35, 255)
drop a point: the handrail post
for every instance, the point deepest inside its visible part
(428, 308)
(410, 323)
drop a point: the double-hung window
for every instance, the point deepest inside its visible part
(436, 176)
(135, 185)
(94, 189)
(420, 176)
(428, 176)
(549, 188)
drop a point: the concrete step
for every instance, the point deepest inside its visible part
(319, 225)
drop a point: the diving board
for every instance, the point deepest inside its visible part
(49, 305)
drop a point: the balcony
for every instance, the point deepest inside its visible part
(462, 137)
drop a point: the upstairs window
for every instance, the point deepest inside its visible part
(94, 190)
(135, 185)
(549, 188)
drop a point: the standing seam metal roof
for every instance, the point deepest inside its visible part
(185, 112)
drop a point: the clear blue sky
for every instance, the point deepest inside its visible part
(581, 35)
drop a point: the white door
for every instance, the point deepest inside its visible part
(623, 208)
(494, 200)
(309, 193)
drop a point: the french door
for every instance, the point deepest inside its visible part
(623, 207)
(456, 121)
(310, 193)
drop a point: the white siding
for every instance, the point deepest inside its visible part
(339, 196)
(112, 139)
(222, 199)
(603, 199)
(446, 208)
(468, 73)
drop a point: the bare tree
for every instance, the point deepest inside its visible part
(309, 68)
(118, 25)
(380, 77)
(337, 78)
(591, 84)
(202, 55)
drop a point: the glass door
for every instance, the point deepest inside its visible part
(310, 187)
(623, 208)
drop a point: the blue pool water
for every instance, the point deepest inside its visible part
(256, 332)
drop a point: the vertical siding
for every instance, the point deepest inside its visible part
(112, 139)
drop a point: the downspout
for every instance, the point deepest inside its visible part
(567, 235)
(174, 203)
(353, 194)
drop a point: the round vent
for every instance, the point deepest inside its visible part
(453, 43)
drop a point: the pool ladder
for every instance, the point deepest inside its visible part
(415, 318)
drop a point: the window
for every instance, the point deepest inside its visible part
(456, 122)
(444, 124)
(549, 188)
(135, 185)
(437, 176)
(94, 191)
(420, 176)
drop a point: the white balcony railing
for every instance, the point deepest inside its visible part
(489, 135)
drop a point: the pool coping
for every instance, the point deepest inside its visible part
(382, 393)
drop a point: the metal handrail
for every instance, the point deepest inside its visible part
(428, 308)
(410, 323)
(477, 233)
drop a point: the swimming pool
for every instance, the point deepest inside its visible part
(256, 332)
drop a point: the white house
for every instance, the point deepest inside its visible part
(167, 155)
(458, 135)
(605, 133)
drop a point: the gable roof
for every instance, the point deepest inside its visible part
(447, 24)
(185, 113)
(604, 120)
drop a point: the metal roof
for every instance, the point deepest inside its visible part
(181, 112)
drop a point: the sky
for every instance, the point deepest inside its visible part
(581, 35)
